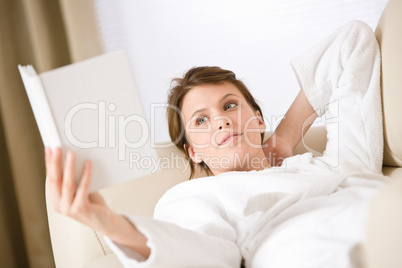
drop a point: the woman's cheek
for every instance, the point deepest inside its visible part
(199, 139)
(252, 134)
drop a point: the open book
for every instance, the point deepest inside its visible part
(93, 109)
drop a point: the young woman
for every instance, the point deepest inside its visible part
(309, 212)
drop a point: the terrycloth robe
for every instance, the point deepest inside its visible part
(311, 211)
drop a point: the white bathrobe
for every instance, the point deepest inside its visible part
(311, 211)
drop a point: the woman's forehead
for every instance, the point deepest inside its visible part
(209, 94)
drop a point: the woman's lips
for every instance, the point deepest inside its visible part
(229, 137)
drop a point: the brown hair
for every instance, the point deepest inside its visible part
(198, 76)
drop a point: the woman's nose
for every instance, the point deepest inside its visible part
(222, 124)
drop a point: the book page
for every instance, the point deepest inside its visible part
(99, 116)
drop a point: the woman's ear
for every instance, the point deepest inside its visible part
(192, 154)
(261, 123)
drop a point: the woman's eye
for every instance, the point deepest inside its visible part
(230, 105)
(201, 120)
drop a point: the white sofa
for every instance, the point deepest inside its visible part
(75, 245)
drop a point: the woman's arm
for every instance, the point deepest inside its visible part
(205, 240)
(290, 130)
(89, 209)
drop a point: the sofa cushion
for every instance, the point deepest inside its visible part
(106, 261)
(389, 36)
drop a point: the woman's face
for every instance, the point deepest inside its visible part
(222, 129)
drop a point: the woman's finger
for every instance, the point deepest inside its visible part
(53, 187)
(82, 192)
(97, 198)
(68, 186)
(53, 170)
(55, 164)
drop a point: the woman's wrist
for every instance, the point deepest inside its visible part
(123, 232)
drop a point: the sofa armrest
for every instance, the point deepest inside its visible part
(73, 243)
(384, 232)
(107, 261)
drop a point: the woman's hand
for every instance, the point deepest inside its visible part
(89, 209)
(73, 201)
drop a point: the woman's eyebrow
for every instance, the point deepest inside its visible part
(227, 95)
(222, 99)
(198, 111)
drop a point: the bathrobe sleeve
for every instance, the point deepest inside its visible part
(341, 79)
(188, 230)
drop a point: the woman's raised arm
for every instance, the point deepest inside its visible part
(89, 209)
(297, 120)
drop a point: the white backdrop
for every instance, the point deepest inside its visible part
(256, 39)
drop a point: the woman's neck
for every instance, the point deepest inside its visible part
(246, 163)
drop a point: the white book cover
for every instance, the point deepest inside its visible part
(93, 109)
